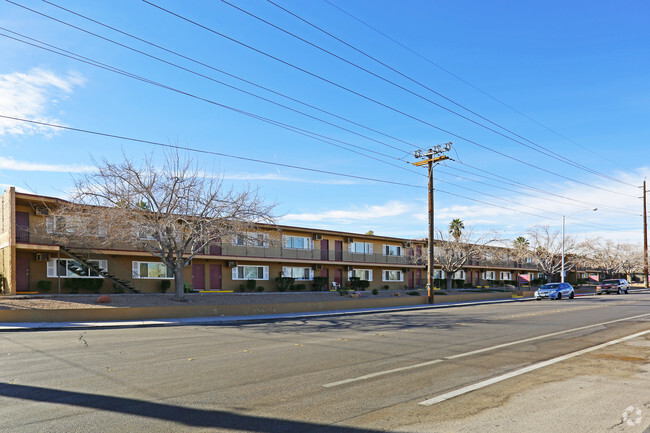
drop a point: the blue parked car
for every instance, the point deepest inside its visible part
(555, 291)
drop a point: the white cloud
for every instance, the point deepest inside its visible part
(30, 95)
(8, 163)
(356, 213)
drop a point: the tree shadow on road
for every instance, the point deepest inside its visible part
(188, 416)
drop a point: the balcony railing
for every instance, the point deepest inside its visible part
(304, 254)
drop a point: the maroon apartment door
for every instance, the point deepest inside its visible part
(22, 274)
(411, 282)
(215, 277)
(198, 277)
(324, 249)
(22, 227)
(338, 276)
(338, 250)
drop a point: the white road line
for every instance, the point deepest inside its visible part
(524, 370)
(474, 352)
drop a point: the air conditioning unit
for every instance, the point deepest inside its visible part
(318, 267)
(41, 211)
(42, 257)
(350, 240)
(232, 264)
(318, 237)
(347, 268)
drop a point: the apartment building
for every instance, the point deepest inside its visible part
(30, 261)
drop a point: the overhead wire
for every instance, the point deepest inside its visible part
(389, 107)
(459, 78)
(544, 151)
(313, 135)
(205, 76)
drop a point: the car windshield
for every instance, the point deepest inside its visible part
(610, 282)
(552, 286)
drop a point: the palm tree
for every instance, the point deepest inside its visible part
(456, 227)
(521, 243)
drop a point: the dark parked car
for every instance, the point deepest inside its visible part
(609, 286)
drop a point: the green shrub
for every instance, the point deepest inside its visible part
(260, 289)
(386, 287)
(364, 284)
(165, 285)
(251, 285)
(187, 288)
(375, 291)
(320, 283)
(414, 293)
(299, 287)
(44, 286)
(284, 283)
(354, 282)
(85, 284)
(117, 289)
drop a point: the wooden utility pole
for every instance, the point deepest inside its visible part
(645, 239)
(430, 160)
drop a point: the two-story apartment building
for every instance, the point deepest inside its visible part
(28, 256)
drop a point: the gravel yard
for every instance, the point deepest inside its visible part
(52, 302)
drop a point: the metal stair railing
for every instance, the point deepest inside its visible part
(124, 284)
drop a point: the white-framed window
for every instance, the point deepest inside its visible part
(69, 224)
(151, 270)
(459, 275)
(246, 272)
(528, 260)
(251, 240)
(438, 274)
(364, 274)
(506, 276)
(299, 273)
(69, 268)
(392, 275)
(297, 242)
(489, 275)
(393, 250)
(360, 247)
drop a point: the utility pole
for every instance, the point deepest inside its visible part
(431, 158)
(645, 239)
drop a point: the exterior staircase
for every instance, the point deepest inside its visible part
(124, 284)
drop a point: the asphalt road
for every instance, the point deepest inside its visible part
(462, 369)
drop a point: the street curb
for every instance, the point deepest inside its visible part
(226, 320)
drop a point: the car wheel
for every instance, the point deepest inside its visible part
(572, 295)
(618, 291)
(626, 291)
(599, 293)
(559, 296)
(607, 292)
(539, 299)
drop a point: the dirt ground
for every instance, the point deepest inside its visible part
(52, 302)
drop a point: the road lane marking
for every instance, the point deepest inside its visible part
(381, 373)
(525, 370)
(474, 352)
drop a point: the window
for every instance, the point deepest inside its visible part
(438, 274)
(73, 269)
(360, 247)
(297, 242)
(364, 274)
(251, 240)
(250, 273)
(71, 224)
(459, 275)
(153, 270)
(489, 275)
(392, 276)
(298, 273)
(506, 276)
(393, 250)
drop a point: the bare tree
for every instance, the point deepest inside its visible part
(454, 248)
(172, 212)
(631, 259)
(546, 250)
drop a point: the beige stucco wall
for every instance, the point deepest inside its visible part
(7, 236)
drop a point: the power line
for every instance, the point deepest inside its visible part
(447, 71)
(313, 135)
(372, 99)
(201, 75)
(256, 160)
(546, 151)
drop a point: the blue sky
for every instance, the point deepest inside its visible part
(537, 84)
